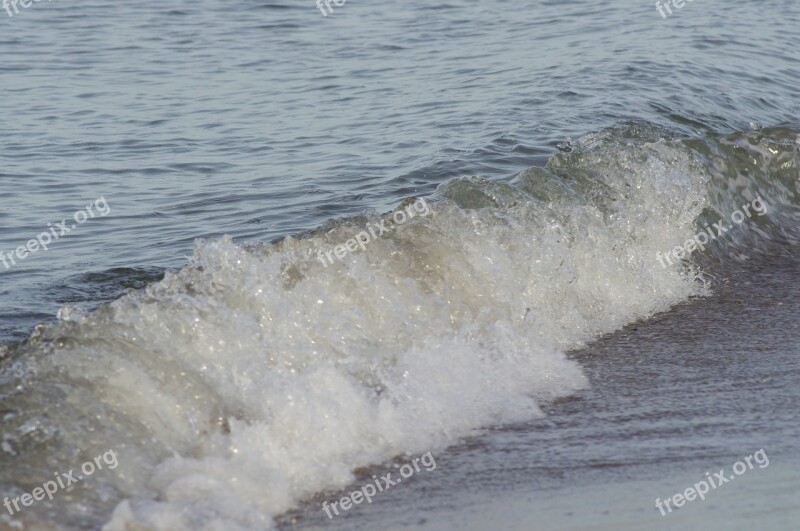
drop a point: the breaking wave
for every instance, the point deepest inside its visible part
(256, 377)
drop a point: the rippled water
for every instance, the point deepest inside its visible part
(561, 144)
(198, 119)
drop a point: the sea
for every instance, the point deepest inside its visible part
(266, 253)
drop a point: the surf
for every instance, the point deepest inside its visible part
(256, 377)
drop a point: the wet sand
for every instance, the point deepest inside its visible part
(690, 391)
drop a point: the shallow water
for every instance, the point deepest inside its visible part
(692, 390)
(198, 119)
(560, 146)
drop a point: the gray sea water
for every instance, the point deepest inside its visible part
(523, 330)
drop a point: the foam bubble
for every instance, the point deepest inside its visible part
(256, 377)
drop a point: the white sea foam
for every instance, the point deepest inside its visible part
(255, 378)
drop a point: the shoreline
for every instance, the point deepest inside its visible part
(691, 390)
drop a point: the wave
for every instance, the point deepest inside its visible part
(256, 377)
